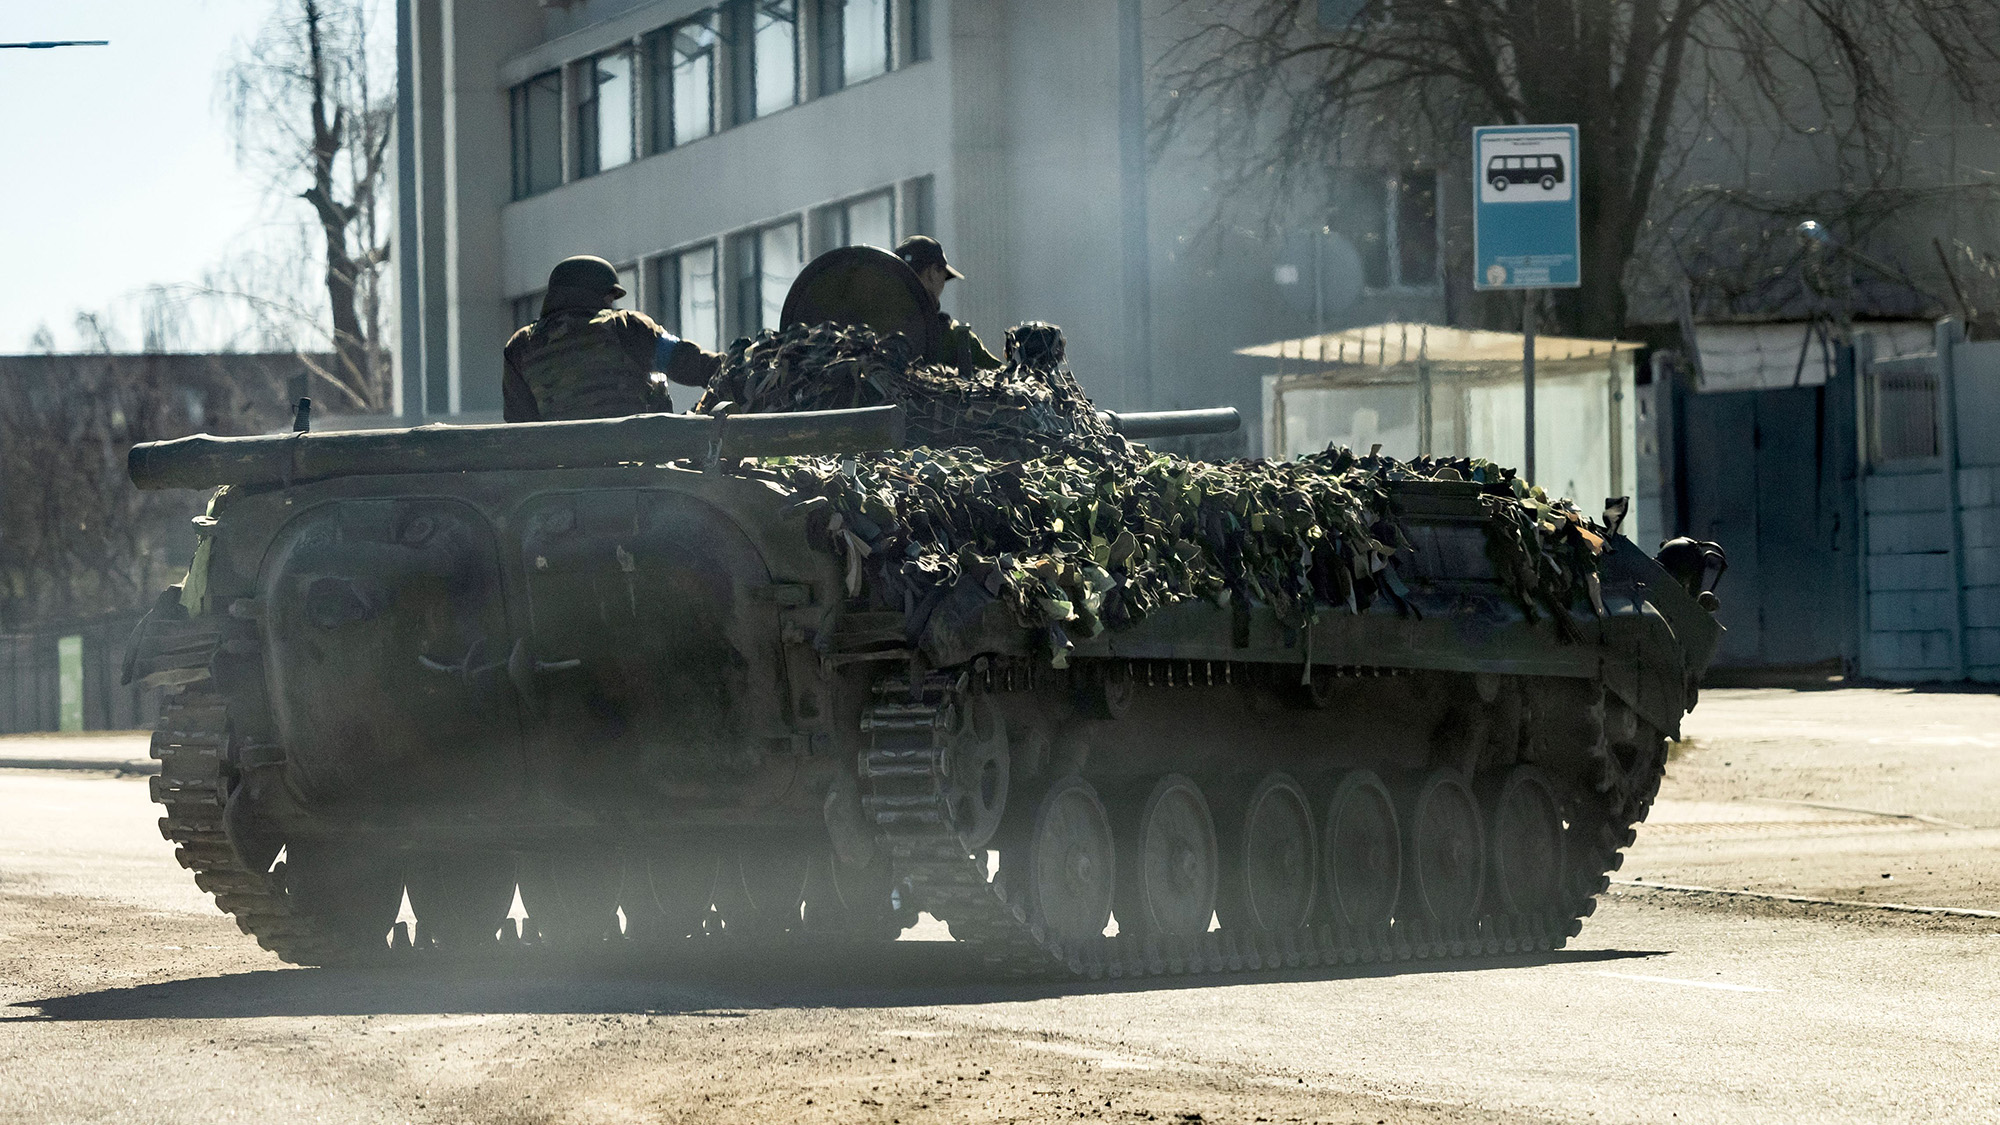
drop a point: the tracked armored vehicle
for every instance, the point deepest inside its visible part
(667, 687)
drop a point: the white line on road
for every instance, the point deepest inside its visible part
(1682, 888)
(1936, 820)
(1715, 984)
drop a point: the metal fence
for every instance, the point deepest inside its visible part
(66, 677)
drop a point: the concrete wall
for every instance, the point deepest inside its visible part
(868, 136)
(1933, 579)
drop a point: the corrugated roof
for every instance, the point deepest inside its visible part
(1408, 341)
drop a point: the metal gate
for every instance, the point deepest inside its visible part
(1930, 436)
(1770, 475)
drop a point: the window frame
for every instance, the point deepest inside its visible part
(523, 144)
(661, 48)
(741, 35)
(748, 273)
(664, 290)
(833, 41)
(588, 111)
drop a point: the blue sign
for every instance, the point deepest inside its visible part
(1524, 223)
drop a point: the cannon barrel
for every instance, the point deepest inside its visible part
(1174, 423)
(203, 461)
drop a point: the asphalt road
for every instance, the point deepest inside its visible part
(124, 996)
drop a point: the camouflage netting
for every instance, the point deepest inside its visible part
(1030, 406)
(1020, 488)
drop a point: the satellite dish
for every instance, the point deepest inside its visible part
(867, 286)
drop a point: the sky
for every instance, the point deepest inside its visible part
(115, 164)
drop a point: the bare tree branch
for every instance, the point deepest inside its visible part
(1276, 98)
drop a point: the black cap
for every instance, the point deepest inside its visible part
(588, 273)
(920, 252)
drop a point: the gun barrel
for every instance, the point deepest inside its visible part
(1174, 423)
(203, 461)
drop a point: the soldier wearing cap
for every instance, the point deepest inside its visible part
(586, 358)
(959, 347)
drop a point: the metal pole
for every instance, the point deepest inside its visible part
(1425, 435)
(409, 249)
(1528, 380)
(1948, 334)
(1137, 270)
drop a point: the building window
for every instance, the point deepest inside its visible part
(854, 38)
(765, 262)
(684, 298)
(763, 57)
(1416, 193)
(1392, 220)
(527, 310)
(869, 220)
(920, 206)
(920, 30)
(604, 112)
(538, 114)
(681, 63)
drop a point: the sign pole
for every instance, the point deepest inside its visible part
(1526, 231)
(1528, 379)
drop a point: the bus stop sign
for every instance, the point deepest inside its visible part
(1525, 223)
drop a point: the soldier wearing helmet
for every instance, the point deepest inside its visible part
(958, 346)
(586, 358)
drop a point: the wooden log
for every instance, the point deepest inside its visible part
(204, 461)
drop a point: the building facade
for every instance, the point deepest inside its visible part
(710, 149)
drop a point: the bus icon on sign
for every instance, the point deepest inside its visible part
(1544, 168)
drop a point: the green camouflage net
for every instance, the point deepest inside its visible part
(1019, 488)
(1031, 405)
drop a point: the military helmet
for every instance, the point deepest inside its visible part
(586, 272)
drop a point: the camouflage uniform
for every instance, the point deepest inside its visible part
(581, 362)
(957, 345)
(960, 347)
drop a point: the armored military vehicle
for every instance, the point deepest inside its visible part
(784, 677)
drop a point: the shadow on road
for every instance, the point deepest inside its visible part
(904, 975)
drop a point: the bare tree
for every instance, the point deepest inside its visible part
(1281, 89)
(76, 538)
(310, 109)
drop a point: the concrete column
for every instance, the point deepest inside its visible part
(428, 57)
(477, 164)
(974, 200)
(406, 247)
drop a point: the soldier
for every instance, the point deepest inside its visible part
(959, 348)
(586, 358)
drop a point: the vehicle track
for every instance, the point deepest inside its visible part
(904, 774)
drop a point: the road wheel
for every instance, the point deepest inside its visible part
(667, 894)
(351, 891)
(1363, 852)
(1499, 183)
(1526, 845)
(1172, 862)
(572, 897)
(762, 888)
(1444, 855)
(1071, 862)
(978, 774)
(1269, 859)
(1548, 183)
(460, 898)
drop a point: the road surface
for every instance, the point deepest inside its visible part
(125, 997)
